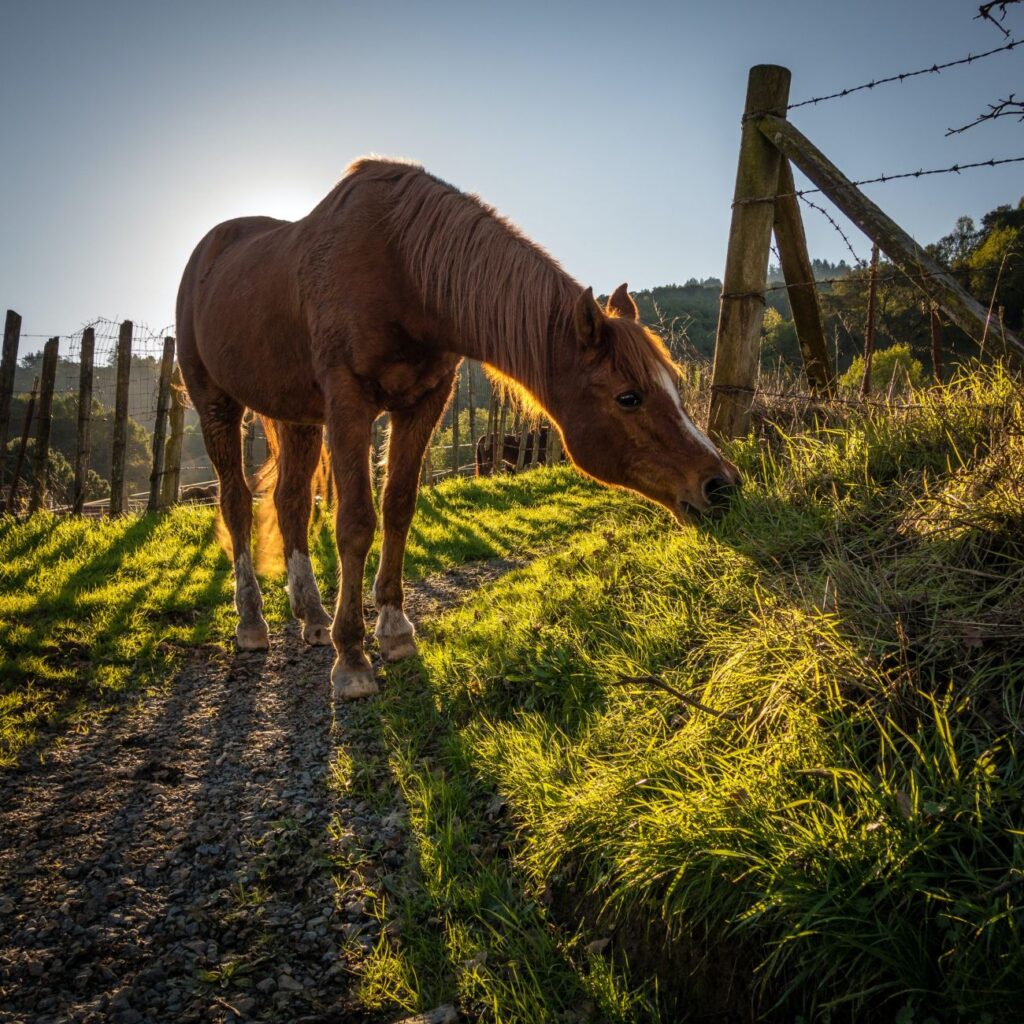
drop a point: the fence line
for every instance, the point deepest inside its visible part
(904, 75)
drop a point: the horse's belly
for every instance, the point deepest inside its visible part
(270, 376)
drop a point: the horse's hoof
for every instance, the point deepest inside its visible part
(252, 638)
(316, 635)
(395, 634)
(353, 684)
(395, 648)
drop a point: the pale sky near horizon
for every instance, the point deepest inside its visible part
(608, 132)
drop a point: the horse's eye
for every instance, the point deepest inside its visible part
(630, 399)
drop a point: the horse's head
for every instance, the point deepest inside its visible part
(621, 417)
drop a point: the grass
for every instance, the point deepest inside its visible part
(92, 610)
(836, 834)
(840, 838)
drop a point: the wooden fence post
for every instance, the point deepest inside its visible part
(20, 457)
(936, 324)
(428, 469)
(746, 264)
(961, 307)
(535, 454)
(498, 466)
(492, 426)
(869, 330)
(800, 284)
(554, 452)
(160, 427)
(455, 422)
(120, 443)
(42, 452)
(472, 408)
(524, 434)
(82, 448)
(172, 458)
(8, 364)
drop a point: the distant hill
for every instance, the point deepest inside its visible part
(687, 314)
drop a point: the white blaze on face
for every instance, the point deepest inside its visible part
(689, 427)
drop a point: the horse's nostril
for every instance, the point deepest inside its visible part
(719, 489)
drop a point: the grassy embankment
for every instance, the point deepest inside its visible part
(837, 834)
(94, 610)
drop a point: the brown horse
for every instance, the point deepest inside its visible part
(368, 304)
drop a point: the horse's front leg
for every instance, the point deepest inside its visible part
(411, 430)
(349, 419)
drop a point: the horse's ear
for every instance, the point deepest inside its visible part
(621, 303)
(589, 319)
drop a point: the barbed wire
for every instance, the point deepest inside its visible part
(881, 178)
(904, 75)
(850, 278)
(835, 224)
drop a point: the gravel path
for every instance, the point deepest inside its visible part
(191, 861)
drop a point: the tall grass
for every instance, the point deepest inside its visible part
(838, 833)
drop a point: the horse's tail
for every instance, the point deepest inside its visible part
(269, 543)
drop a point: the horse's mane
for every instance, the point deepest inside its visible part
(499, 287)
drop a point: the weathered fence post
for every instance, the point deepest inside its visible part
(172, 458)
(8, 364)
(82, 449)
(800, 284)
(498, 466)
(455, 422)
(936, 325)
(20, 457)
(961, 307)
(428, 469)
(492, 426)
(42, 452)
(160, 427)
(535, 454)
(120, 444)
(746, 263)
(472, 408)
(554, 452)
(872, 307)
(524, 433)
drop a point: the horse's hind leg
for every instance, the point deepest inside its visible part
(349, 421)
(299, 453)
(221, 420)
(410, 433)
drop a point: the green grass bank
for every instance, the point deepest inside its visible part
(836, 833)
(827, 826)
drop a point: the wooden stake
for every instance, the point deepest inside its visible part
(43, 424)
(554, 452)
(117, 462)
(800, 286)
(20, 457)
(172, 457)
(746, 264)
(535, 454)
(472, 407)
(936, 324)
(82, 441)
(963, 309)
(499, 462)
(524, 434)
(869, 330)
(8, 364)
(163, 397)
(455, 421)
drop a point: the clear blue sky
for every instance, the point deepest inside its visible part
(607, 131)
